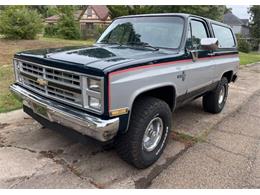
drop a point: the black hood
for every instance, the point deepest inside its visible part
(97, 56)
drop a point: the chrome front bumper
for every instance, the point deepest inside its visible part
(102, 130)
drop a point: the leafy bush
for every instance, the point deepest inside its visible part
(94, 32)
(51, 30)
(254, 43)
(18, 22)
(68, 28)
(243, 44)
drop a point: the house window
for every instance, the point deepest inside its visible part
(89, 12)
(90, 25)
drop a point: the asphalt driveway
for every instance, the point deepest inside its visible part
(205, 150)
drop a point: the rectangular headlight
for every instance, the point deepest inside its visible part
(93, 89)
(94, 84)
(94, 103)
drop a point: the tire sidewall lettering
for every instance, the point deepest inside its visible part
(163, 142)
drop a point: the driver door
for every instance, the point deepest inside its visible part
(199, 73)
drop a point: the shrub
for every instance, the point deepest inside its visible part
(68, 28)
(18, 22)
(254, 43)
(94, 32)
(243, 44)
(51, 30)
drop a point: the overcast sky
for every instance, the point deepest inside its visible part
(240, 11)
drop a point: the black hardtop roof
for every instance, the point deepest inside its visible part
(185, 15)
(157, 14)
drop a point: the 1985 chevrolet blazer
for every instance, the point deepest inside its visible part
(125, 87)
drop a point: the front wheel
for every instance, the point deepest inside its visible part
(148, 132)
(215, 101)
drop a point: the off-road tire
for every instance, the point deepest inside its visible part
(129, 145)
(211, 100)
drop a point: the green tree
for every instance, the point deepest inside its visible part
(255, 21)
(50, 11)
(215, 12)
(45, 10)
(118, 10)
(18, 22)
(68, 27)
(2, 7)
(122, 10)
(51, 30)
(41, 9)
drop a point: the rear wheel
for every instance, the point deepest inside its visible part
(215, 101)
(148, 132)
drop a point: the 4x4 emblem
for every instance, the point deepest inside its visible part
(42, 82)
(181, 76)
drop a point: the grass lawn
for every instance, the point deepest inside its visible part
(7, 101)
(7, 49)
(249, 58)
(72, 42)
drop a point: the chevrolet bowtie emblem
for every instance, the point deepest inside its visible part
(42, 82)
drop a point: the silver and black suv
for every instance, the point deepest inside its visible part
(125, 87)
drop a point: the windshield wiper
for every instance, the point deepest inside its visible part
(110, 43)
(143, 44)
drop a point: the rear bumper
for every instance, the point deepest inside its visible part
(101, 130)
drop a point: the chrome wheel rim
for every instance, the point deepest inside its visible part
(221, 95)
(153, 134)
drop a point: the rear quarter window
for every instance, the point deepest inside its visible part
(224, 36)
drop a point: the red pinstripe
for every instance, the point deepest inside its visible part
(153, 65)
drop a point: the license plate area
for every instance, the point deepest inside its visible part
(38, 109)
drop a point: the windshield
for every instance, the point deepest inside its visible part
(160, 32)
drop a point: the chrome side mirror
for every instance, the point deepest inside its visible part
(209, 43)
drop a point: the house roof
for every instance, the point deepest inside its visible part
(101, 11)
(245, 21)
(52, 18)
(56, 17)
(231, 19)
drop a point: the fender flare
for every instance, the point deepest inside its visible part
(142, 91)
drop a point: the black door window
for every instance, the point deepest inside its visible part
(198, 32)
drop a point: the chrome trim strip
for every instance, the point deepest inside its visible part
(102, 130)
(64, 70)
